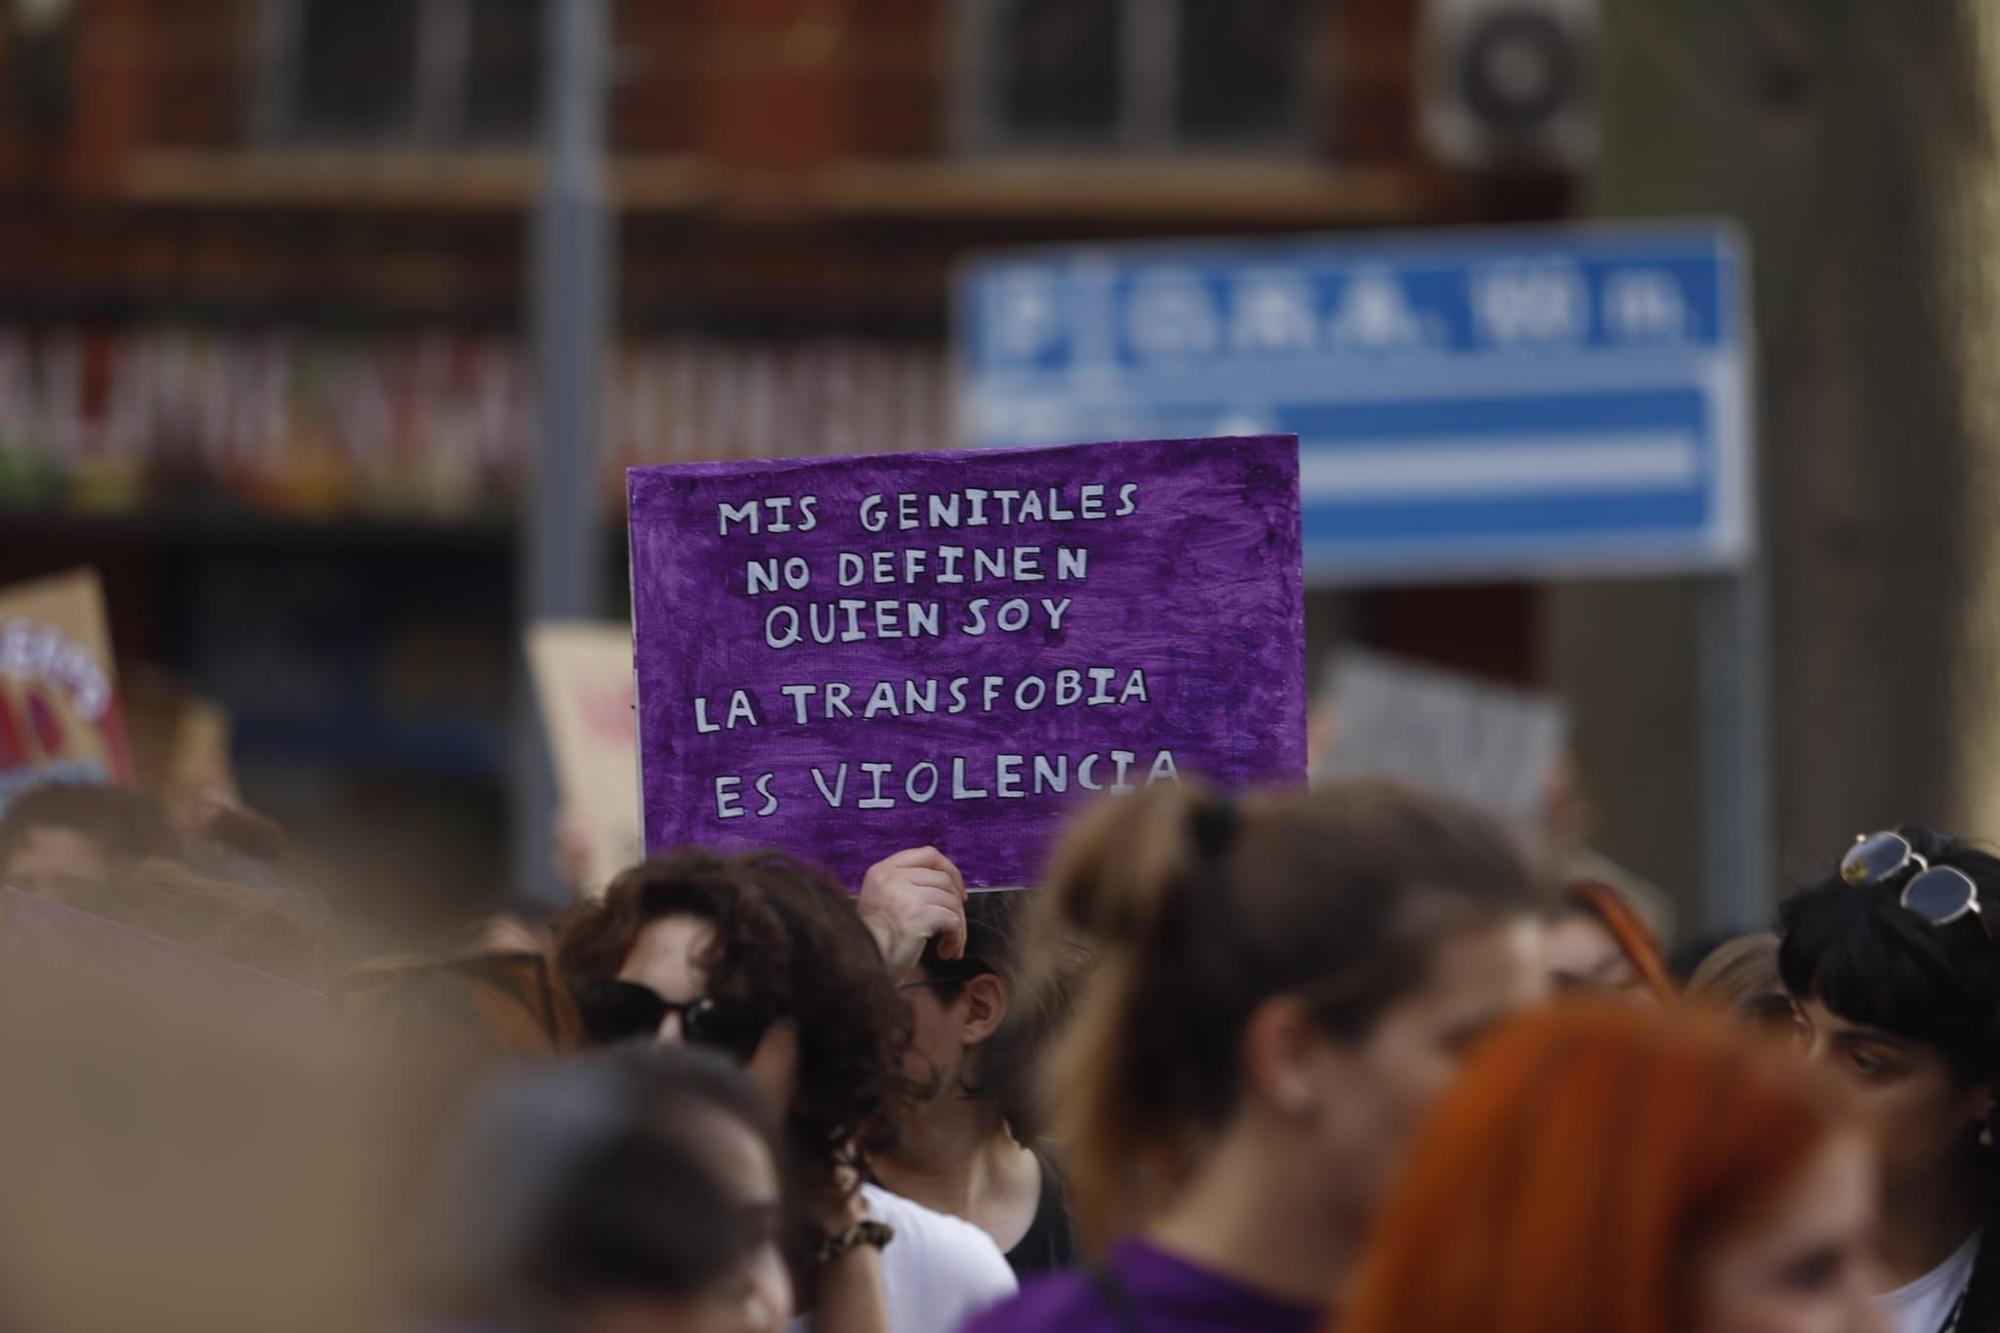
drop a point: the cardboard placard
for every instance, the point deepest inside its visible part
(583, 680)
(38, 932)
(60, 718)
(1493, 745)
(847, 657)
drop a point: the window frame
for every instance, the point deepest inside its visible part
(440, 98)
(1148, 85)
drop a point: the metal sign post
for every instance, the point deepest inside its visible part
(1738, 864)
(562, 559)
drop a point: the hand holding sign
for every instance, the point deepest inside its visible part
(908, 898)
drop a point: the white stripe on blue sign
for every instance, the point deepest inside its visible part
(1483, 404)
(1499, 465)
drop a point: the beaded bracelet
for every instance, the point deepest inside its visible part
(875, 1234)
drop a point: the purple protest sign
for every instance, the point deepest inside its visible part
(845, 657)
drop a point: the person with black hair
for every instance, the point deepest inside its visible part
(635, 1189)
(1897, 977)
(971, 1147)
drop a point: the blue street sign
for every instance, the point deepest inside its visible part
(1486, 404)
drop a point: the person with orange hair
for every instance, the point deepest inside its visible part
(1599, 943)
(1600, 1168)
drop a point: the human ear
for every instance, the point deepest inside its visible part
(1283, 1048)
(985, 1008)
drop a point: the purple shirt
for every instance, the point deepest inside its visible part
(1163, 1294)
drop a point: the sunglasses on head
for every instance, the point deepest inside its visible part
(1938, 894)
(616, 1010)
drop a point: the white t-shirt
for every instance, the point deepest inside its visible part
(937, 1273)
(1924, 1305)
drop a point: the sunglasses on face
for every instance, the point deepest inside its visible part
(1938, 894)
(615, 1010)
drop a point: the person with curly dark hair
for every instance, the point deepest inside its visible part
(763, 956)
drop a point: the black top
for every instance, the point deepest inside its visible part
(1049, 1246)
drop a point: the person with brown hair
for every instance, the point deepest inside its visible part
(763, 956)
(1740, 977)
(1281, 985)
(634, 1189)
(112, 853)
(1599, 943)
(65, 840)
(1600, 1168)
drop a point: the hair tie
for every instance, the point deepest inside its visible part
(1214, 824)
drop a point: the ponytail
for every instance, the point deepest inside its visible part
(1116, 873)
(1196, 910)
(1119, 887)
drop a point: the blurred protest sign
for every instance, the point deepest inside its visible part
(59, 712)
(1495, 746)
(845, 657)
(583, 678)
(38, 932)
(179, 742)
(203, 1130)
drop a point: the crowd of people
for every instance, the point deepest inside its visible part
(1346, 1058)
